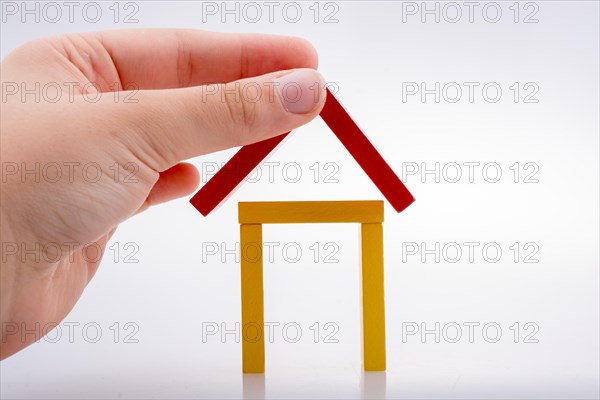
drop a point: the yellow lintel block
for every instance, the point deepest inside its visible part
(292, 212)
(373, 302)
(253, 322)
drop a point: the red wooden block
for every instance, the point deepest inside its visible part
(365, 154)
(228, 178)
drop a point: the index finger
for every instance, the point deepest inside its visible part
(176, 58)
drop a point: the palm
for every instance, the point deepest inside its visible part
(59, 286)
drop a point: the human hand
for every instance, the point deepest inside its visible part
(95, 158)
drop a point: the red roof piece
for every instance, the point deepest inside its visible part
(228, 178)
(365, 154)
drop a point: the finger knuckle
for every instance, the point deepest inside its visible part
(242, 114)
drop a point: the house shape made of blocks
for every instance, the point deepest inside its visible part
(253, 214)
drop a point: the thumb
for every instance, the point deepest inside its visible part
(167, 126)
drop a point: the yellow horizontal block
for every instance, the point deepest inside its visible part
(293, 212)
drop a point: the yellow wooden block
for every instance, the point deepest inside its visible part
(292, 212)
(253, 342)
(253, 215)
(373, 302)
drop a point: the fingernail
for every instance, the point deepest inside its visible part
(300, 91)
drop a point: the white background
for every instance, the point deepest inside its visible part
(176, 289)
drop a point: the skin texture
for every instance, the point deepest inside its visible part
(188, 103)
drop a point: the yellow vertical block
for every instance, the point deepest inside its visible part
(253, 322)
(373, 297)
